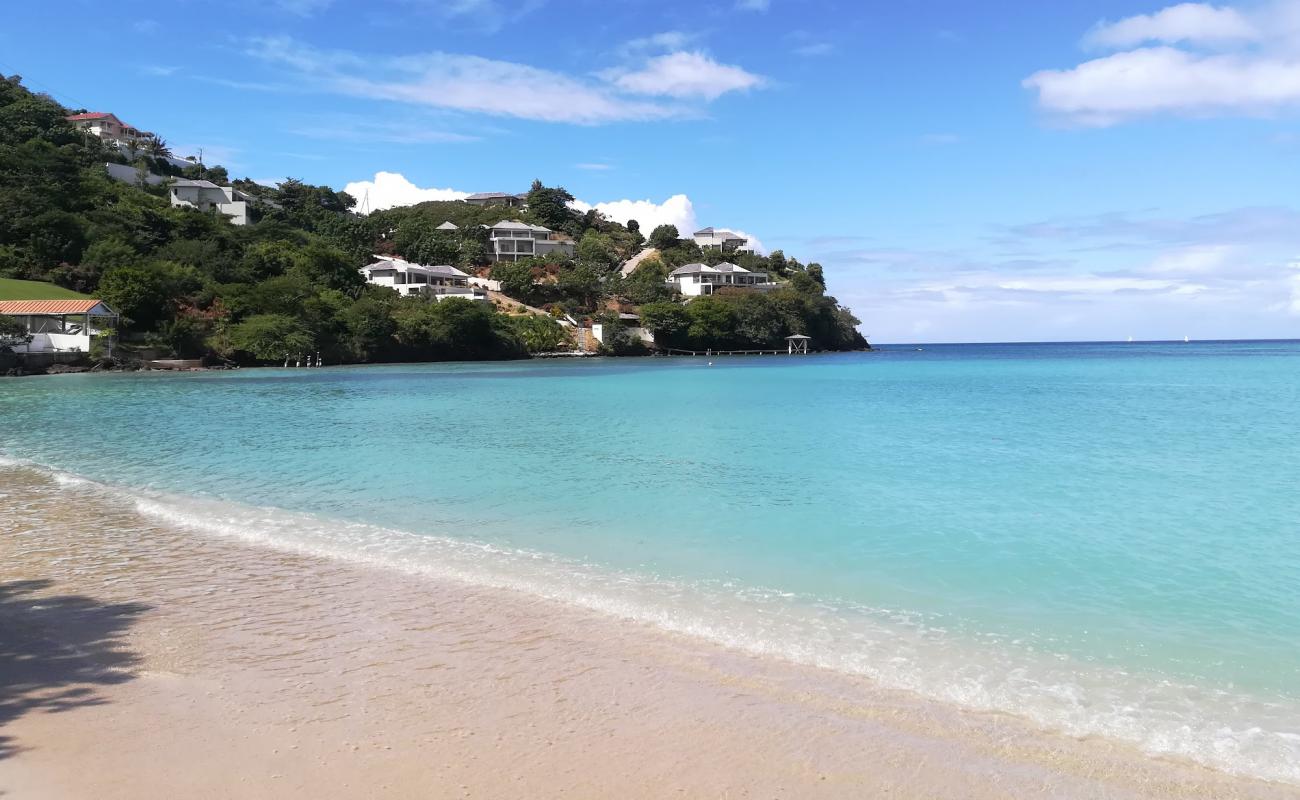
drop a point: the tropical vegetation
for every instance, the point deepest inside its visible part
(192, 284)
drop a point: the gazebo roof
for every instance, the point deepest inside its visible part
(798, 336)
(53, 307)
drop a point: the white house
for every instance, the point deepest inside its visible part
(60, 326)
(438, 282)
(497, 199)
(107, 127)
(726, 241)
(511, 241)
(207, 196)
(696, 280)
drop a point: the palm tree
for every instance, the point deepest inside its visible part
(156, 146)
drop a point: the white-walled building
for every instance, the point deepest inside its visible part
(107, 127)
(60, 326)
(727, 241)
(511, 241)
(698, 280)
(438, 282)
(497, 199)
(128, 139)
(207, 196)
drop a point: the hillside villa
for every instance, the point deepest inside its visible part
(511, 241)
(202, 195)
(726, 241)
(108, 127)
(497, 199)
(438, 282)
(111, 130)
(61, 326)
(697, 280)
(208, 196)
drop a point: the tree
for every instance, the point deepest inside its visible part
(434, 248)
(666, 320)
(539, 334)
(664, 237)
(516, 278)
(270, 337)
(758, 321)
(597, 249)
(580, 282)
(156, 147)
(713, 323)
(12, 333)
(143, 294)
(776, 263)
(550, 205)
(633, 226)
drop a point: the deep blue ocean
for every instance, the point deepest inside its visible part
(1102, 537)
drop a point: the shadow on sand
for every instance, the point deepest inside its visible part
(55, 649)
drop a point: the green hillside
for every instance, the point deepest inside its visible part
(194, 285)
(13, 289)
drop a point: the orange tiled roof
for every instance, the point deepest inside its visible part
(46, 306)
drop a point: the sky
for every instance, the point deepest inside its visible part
(994, 171)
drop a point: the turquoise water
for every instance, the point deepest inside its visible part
(1105, 538)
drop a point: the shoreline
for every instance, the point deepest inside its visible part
(201, 667)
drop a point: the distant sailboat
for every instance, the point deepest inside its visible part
(1130, 340)
(1186, 340)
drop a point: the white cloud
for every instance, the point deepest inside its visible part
(504, 88)
(814, 49)
(593, 166)
(753, 242)
(1293, 306)
(391, 189)
(1195, 260)
(1193, 23)
(676, 210)
(1191, 59)
(666, 40)
(1165, 79)
(684, 75)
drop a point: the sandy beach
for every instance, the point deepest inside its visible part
(142, 661)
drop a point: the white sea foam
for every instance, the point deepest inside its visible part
(1233, 732)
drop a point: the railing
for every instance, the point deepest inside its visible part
(676, 351)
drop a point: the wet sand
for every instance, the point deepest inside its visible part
(142, 661)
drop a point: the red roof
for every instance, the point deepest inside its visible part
(90, 115)
(46, 306)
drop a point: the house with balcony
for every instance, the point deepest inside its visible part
(719, 239)
(497, 199)
(701, 280)
(509, 240)
(108, 127)
(208, 196)
(62, 326)
(416, 280)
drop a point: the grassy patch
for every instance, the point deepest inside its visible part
(12, 289)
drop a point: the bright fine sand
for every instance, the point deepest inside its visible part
(141, 661)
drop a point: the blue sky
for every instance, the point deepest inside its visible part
(991, 171)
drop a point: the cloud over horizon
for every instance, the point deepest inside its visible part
(392, 189)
